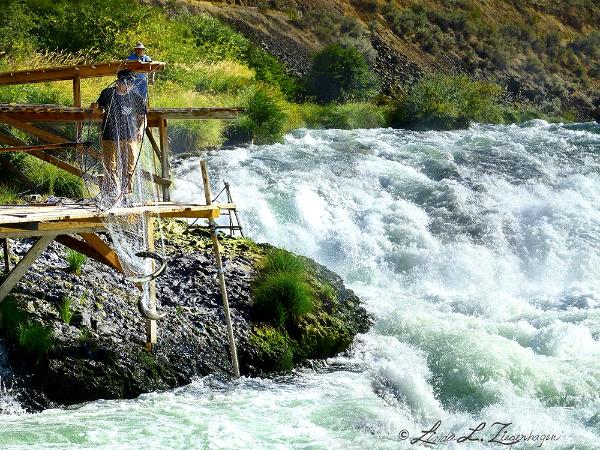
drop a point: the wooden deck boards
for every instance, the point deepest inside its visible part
(40, 219)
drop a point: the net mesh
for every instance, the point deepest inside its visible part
(118, 175)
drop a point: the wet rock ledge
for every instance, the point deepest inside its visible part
(74, 338)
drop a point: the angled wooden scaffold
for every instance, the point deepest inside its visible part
(76, 225)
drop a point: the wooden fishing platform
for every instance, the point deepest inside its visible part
(76, 224)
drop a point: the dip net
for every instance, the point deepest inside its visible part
(119, 177)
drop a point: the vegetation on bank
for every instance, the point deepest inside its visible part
(292, 308)
(208, 62)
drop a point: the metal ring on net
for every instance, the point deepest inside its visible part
(143, 309)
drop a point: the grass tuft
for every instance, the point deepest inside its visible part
(75, 260)
(36, 339)
(65, 311)
(281, 293)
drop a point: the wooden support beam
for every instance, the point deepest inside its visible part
(103, 249)
(164, 158)
(7, 139)
(84, 248)
(11, 140)
(55, 113)
(77, 100)
(21, 268)
(153, 143)
(34, 148)
(33, 130)
(79, 71)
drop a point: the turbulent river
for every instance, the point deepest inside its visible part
(477, 252)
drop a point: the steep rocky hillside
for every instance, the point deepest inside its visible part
(544, 51)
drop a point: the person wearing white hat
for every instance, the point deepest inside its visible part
(141, 79)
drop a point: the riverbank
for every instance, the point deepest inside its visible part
(72, 338)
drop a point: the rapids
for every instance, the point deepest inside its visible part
(478, 253)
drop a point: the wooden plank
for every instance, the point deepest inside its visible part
(6, 232)
(21, 268)
(33, 148)
(80, 70)
(103, 249)
(164, 159)
(55, 113)
(86, 212)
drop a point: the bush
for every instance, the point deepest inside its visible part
(588, 45)
(445, 102)
(264, 119)
(341, 74)
(281, 293)
(369, 6)
(75, 260)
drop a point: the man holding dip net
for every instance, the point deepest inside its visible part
(122, 131)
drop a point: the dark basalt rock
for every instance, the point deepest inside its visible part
(101, 354)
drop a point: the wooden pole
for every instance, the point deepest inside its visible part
(30, 257)
(151, 328)
(164, 156)
(77, 101)
(232, 349)
(6, 246)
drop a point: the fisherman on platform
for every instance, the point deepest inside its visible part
(141, 79)
(123, 126)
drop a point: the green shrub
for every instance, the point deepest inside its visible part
(36, 339)
(75, 260)
(281, 293)
(65, 311)
(340, 74)
(444, 102)
(264, 119)
(588, 45)
(369, 6)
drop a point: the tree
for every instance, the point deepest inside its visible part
(340, 74)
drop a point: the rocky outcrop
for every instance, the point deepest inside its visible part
(94, 346)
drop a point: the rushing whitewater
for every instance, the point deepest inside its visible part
(477, 251)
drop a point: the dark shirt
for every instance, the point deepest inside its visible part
(123, 114)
